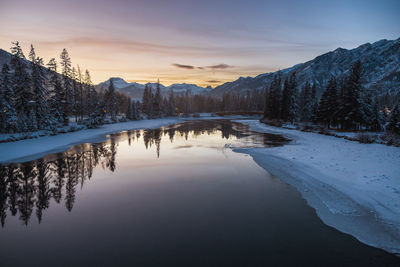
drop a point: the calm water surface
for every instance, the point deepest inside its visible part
(176, 196)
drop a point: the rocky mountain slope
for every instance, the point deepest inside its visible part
(380, 60)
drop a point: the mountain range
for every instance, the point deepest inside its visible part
(135, 90)
(380, 61)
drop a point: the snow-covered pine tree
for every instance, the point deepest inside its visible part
(40, 95)
(273, 98)
(96, 108)
(371, 114)
(67, 95)
(188, 105)
(314, 102)
(87, 80)
(284, 115)
(171, 103)
(21, 84)
(157, 102)
(147, 102)
(80, 89)
(293, 105)
(327, 107)
(110, 99)
(75, 93)
(352, 103)
(129, 111)
(55, 93)
(136, 108)
(289, 105)
(145, 99)
(8, 118)
(32, 54)
(394, 121)
(305, 103)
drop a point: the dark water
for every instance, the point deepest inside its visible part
(175, 196)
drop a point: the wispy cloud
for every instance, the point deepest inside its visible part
(212, 67)
(214, 81)
(181, 66)
(220, 66)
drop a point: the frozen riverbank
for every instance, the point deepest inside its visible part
(353, 187)
(35, 148)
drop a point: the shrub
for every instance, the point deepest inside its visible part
(391, 139)
(366, 138)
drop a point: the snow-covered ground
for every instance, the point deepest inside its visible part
(35, 148)
(353, 187)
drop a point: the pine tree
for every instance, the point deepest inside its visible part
(371, 114)
(305, 103)
(80, 89)
(273, 98)
(314, 103)
(394, 122)
(171, 103)
(95, 107)
(352, 104)
(136, 109)
(75, 92)
(21, 87)
(293, 106)
(188, 106)
(129, 111)
(157, 102)
(32, 54)
(289, 99)
(328, 105)
(145, 99)
(111, 101)
(55, 93)
(8, 118)
(147, 102)
(88, 92)
(40, 94)
(67, 95)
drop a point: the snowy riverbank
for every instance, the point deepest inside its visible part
(29, 149)
(353, 187)
(35, 148)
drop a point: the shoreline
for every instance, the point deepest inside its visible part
(340, 192)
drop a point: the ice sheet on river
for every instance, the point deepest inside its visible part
(353, 187)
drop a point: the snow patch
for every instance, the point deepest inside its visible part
(353, 187)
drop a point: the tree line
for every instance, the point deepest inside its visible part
(36, 97)
(345, 104)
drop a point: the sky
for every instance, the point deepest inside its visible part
(205, 42)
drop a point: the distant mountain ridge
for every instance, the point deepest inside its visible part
(380, 61)
(135, 90)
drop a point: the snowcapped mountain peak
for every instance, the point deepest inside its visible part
(135, 90)
(380, 61)
(117, 82)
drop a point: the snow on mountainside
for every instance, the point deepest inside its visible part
(135, 90)
(380, 60)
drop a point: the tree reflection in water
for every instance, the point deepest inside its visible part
(29, 186)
